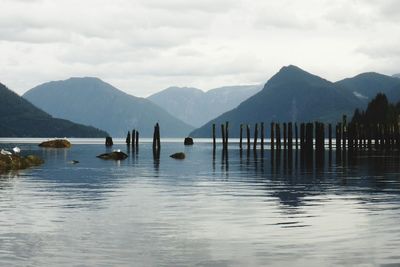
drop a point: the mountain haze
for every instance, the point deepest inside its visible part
(396, 75)
(290, 95)
(367, 85)
(196, 107)
(19, 118)
(91, 101)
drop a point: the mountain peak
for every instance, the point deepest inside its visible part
(294, 75)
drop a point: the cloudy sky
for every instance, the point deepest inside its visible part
(143, 46)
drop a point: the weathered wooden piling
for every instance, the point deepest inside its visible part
(223, 136)
(226, 135)
(309, 138)
(255, 136)
(290, 136)
(296, 134)
(262, 136)
(109, 141)
(156, 141)
(278, 136)
(213, 136)
(338, 136)
(284, 136)
(128, 138)
(137, 140)
(133, 137)
(272, 135)
(330, 137)
(248, 136)
(241, 137)
(302, 137)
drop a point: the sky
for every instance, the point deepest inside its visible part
(144, 46)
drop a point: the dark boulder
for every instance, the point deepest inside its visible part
(56, 143)
(188, 141)
(179, 155)
(115, 155)
(16, 162)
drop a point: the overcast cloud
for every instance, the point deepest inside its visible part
(143, 46)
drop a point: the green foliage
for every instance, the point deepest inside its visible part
(379, 110)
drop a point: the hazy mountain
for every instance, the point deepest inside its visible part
(92, 101)
(19, 118)
(367, 85)
(196, 107)
(290, 95)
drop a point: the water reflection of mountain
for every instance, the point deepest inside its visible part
(291, 178)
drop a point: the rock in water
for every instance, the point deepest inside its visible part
(56, 143)
(179, 155)
(16, 162)
(115, 155)
(188, 141)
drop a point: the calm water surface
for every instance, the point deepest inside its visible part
(244, 210)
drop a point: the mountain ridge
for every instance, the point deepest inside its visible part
(92, 101)
(292, 94)
(197, 107)
(20, 118)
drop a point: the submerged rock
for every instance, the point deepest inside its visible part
(16, 162)
(188, 141)
(179, 155)
(115, 155)
(56, 143)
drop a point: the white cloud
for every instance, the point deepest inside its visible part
(143, 46)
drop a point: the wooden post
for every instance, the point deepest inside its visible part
(213, 135)
(137, 140)
(223, 136)
(278, 136)
(255, 136)
(330, 136)
(296, 134)
(338, 136)
(302, 136)
(290, 136)
(284, 136)
(262, 136)
(248, 136)
(109, 141)
(158, 137)
(133, 137)
(128, 138)
(155, 139)
(241, 136)
(226, 135)
(272, 135)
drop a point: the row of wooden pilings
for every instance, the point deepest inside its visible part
(316, 136)
(133, 139)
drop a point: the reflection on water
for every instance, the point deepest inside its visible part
(243, 208)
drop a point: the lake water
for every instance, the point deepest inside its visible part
(240, 210)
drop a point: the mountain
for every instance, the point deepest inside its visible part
(196, 107)
(94, 102)
(290, 95)
(19, 118)
(367, 85)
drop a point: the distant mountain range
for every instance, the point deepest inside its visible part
(196, 107)
(290, 95)
(19, 118)
(94, 102)
(367, 85)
